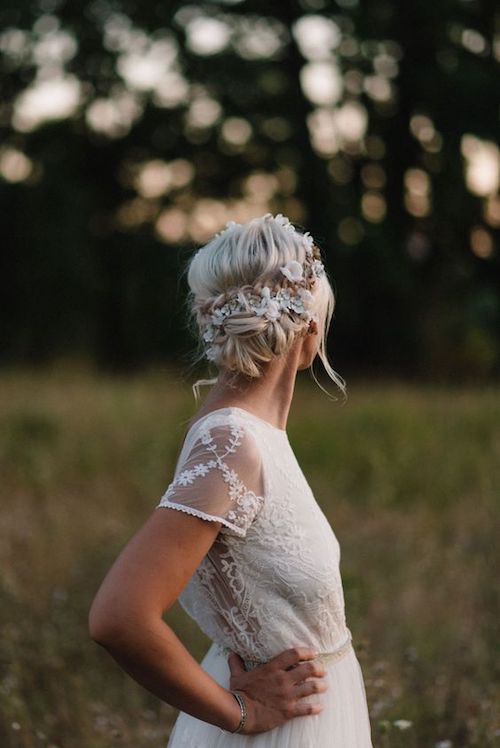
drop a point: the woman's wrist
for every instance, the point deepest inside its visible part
(234, 714)
(243, 710)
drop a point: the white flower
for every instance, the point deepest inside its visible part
(305, 295)
(299, 301)
(309, 242)
(297, 305)
(284, 222)
(218, 316)
(265, 292)
(260, 309)
(318, 268)
(186, 477)
(283, 297)
(209, 334)
(402, 724)
(272, 311)
(293, 270)
(268, 306)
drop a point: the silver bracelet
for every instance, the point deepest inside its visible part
(241, 701)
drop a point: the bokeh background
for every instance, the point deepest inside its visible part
(132, 132)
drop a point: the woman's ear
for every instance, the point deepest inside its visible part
(313, 327)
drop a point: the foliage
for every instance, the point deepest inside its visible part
(408, 477)
(131, 132)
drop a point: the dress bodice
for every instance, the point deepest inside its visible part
(271, 579)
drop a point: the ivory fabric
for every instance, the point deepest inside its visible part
(270, 581)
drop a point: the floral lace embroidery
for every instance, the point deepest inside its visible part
(271, 579)
(246, 501)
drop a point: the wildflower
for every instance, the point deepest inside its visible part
(402, 724)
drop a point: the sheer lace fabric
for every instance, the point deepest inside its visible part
(271, 580)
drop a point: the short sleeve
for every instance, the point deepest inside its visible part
(220, 478)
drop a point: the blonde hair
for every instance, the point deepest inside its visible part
(250, 255)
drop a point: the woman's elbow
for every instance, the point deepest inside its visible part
(105, 626)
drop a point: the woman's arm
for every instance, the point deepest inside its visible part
(126, 619)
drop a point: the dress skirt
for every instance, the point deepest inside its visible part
(343, 723)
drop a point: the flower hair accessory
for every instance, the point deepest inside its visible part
(235, 310)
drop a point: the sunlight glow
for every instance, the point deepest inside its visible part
(417, 192)
(323, 132)
(350, 230)
(474, 41)
(236, 131)
(377, 87)
(55, 48)
(114, 116)
(482, 169)
(373, 206)
(134, 213)
(260, 186)
(321, 83)
(15, 44)
(385, 65)
(207, 36)
(203, 112)
(172, 90)
(352, 121)
(481, 242)
(316, 36)
(45, 100)
(171, 225)
(144, 66)
(154, 178)
(259, 38)
(15, 166)
(207, 215)
(333, 129)
(422, 127)
(373, 176)
(491, 211)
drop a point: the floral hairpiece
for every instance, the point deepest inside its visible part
(292, 294)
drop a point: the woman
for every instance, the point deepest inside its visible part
(247, 551)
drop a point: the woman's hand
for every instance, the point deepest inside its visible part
(274, 692)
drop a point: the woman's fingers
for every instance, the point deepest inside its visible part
(309, 687)
(303, 707)
(236, 665)
(291, 657)
(310, 669)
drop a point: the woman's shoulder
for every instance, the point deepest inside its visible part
(224, 428)
(235, 414)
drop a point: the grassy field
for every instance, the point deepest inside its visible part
(408, 477)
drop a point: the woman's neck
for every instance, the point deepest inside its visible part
(268, 396)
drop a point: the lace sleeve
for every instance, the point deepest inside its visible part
(220, 478)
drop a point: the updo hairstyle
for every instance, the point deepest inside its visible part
(248, 258)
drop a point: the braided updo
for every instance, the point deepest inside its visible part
(239, 270)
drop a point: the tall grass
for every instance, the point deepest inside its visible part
(409, 479)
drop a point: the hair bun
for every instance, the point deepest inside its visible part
(254, 289)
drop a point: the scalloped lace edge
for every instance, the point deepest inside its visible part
(202, 515)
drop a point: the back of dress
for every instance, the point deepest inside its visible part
(271, 579)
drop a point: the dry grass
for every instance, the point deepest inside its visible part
(409, 478)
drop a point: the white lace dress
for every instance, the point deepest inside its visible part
(270, 581)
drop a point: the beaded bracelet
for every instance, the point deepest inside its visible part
(239, 698)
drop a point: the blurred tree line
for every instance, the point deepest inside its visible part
(132, 131)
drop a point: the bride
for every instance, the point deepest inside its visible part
(245, 547)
